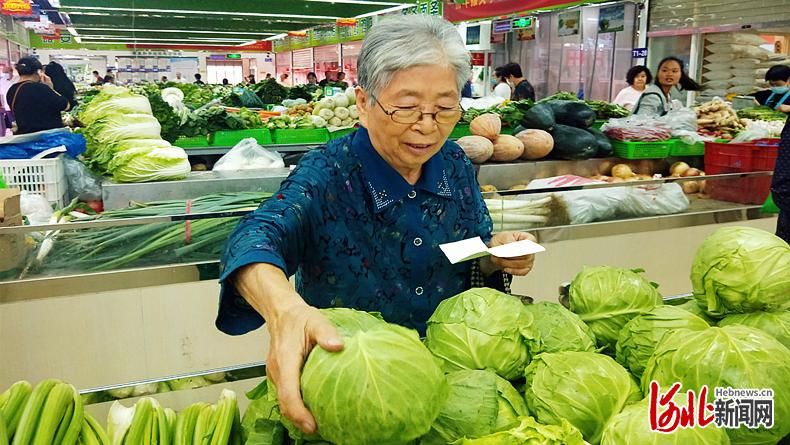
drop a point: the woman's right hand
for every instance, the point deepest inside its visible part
(46, 80)
(294, 332)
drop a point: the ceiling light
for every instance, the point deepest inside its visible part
(277, 37)
(178, 31)
(198, 12)
(157, 39)
(180, 44)
(384, 11)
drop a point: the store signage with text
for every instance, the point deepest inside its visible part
(639, 53)
(18, 8)
(503, 26)
(481, 9)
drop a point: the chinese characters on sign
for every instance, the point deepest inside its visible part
(18, 8)
(432, 7)
(732, 408)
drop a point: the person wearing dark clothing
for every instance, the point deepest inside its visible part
(198, 80)
(33, 100)
(467, 91)
(97, 79)
(780, 187)
(779, 93)
(61, 82)
(225, 82)
(522, 89)
(326, 80)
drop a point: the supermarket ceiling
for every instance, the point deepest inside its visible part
(207, 22)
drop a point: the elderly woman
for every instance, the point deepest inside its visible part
(360, 221)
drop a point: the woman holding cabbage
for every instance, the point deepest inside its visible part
(359, 222)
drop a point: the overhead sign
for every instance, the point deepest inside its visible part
(611, 19)
(502, 26)
(522, 23)
(17, 8)
(483, 9)
(346, 22)
(233, 56)
(639, 53)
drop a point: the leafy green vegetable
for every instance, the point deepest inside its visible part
(114, 100)
(777, 324)
(585, 388)
(481, 329)
(606, 298)
(117, 127)
(694, 307)
(479, 403)
(730, 357)
(605, 110)
(270, 91)
(529, 432)
(762, 113)
(632, 426)
(562, 95)
(558, 329)
(261, 422)
(742, 269)
(639, 337)
(169, 121)
(384, 387)
(152, 164)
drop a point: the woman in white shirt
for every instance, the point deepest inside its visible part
(638, 78)
(502, 88)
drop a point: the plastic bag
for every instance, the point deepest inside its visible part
(248, 155)
(27, 146)
(637, 128)
(35, 207)
(83, 183)
(682, 119)
(752, 133)
(652, 200)
(586, 206)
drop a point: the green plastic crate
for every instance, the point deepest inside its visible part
(680, 148)
(460, 131)
(193, 142)
(340, 133)
(232, 137)
(642, 150)
(301, 136)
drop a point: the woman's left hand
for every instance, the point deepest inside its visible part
(784, 108)
(519, 266)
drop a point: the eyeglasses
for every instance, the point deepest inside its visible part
(444, 116)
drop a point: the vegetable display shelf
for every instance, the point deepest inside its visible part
(680, 148)
(340, 133)
(642, 150)
(190, 142)
(301, 136)
(233, 137)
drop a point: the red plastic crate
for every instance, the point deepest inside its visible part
(743, 157)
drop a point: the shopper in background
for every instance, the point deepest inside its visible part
(502, 88)
(341, 80)
(638, 78)
(61, 82)
(227, 82)
(7, 78)
(466, 91)
(33, 100)
(522, 89)
(360, 221)
(656, 100)
(251, 79)
(327, 78)
(108, 79)
(164, 79)
(312, 79)
(778, 96)
(179, 79)
(268, 76)
(97, 79)
(199, 79)
(284, 79)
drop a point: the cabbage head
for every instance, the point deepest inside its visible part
(557, 329)
(350, 321)
(777, 324)
(121, 104)
(529, 432)
(479, 403)
(742, 269)
(145, 164)
(383, 388)
(481, 329)
(694, 307)
(633, 426)
(639, 337)
(606, 298)
(117, 127)
(733, 356)
(585, 388)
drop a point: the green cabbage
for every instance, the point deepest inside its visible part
(639, 337)
(350, 321)
(151, 164)
(383, 388)
(529, 432)
(118, 127)
(742, 269)
(479, 403)
(558, 329)
(633, 426)
(585, 388)
(694, 307)
(730, 357)
(120, 105)
(775, 323)
(606, 298)
(110, 156)
(481, 329)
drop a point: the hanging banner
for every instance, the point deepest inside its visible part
(569, 23)
(17, 8)
(346, 22)
(611, 19)
(483, 9)
(425, 7)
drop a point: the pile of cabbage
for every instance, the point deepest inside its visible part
(494, 371)
(123, 139)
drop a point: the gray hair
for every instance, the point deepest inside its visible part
(407, 41)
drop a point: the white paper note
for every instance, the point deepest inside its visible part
(472, 248)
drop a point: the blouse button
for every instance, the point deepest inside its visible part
(418, 242)
(418, 290)
(412, 194)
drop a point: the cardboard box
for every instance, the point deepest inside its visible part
(13, 250)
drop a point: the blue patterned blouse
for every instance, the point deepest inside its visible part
(357, 235)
